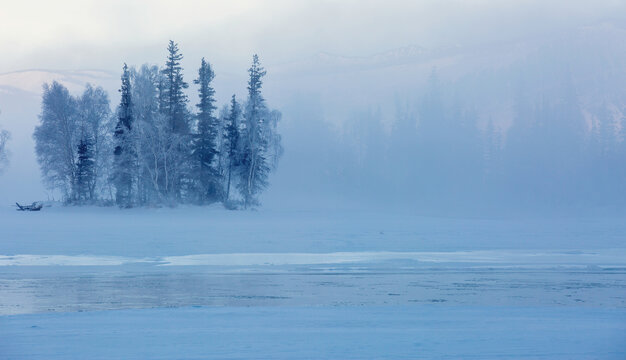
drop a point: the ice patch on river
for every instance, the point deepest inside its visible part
(604, 257)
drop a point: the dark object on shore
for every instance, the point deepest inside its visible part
(36, 206)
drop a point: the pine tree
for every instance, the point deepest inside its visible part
(231, 142)
(204, 147)
(173, 98)
(85, 171)
(221, 161)
(174, 107)
(253, 167)
(125, 152)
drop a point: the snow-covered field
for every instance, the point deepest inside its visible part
(209, 283)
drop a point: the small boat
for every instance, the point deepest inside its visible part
(36, 206)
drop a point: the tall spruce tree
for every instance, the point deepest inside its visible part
(85, 171)
(125, 152)
(231, 142)
(204, 147)
(221, 160)
(254, 168)
(173, 98)
(174, 107)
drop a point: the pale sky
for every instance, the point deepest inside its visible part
(86, 34)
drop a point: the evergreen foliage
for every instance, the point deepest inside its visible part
(152, 153)
(125, 151)
(85, 171)
(231, 142)
(253, 165)
(173, 98)
(177, 136)
(204, 147)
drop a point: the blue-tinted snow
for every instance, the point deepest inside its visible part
(209, 283)
(185, 231)
(363, 332)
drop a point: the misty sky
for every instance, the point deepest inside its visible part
(86, 34)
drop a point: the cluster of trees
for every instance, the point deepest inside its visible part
(444, 154)
(154, 149)
(72, 142)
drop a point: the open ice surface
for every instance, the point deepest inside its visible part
(208, 283)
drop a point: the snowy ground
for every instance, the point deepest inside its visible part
(362, 332)
(209, 283)
(211, 230)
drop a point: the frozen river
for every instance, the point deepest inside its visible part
(36, 284)
(542, 305)
(205, 283)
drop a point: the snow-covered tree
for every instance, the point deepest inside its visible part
(124, 172)
(56, 139)
(173, 98)
(95, 128)
(68, 125)
(85, 171)
(259, 143)
(204, 146)
(159, 149)
(151, 152)
(144, 85)
(220, 145)
(274, 140)
(230, 143)
(161, 158)
(173, 104)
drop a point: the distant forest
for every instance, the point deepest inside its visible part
(154, 149)
(440, 154)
